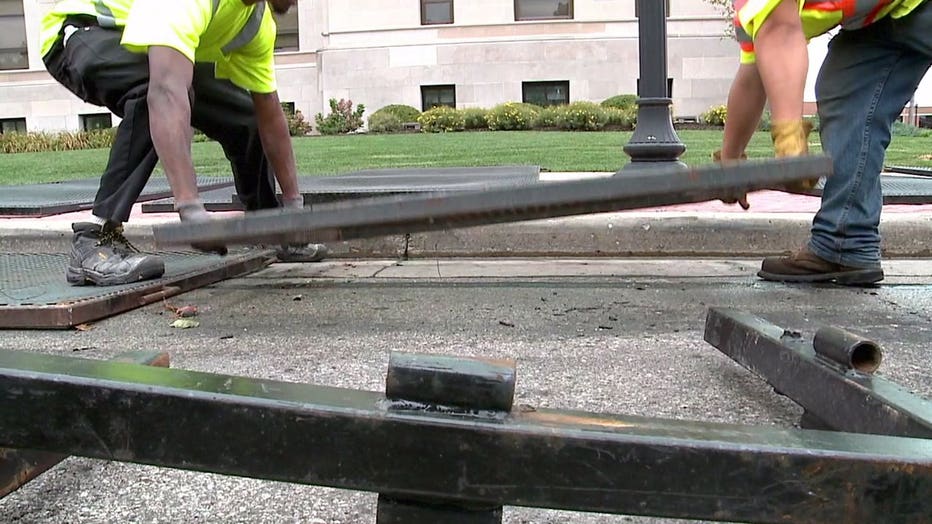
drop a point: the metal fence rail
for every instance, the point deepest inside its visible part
(443, 452)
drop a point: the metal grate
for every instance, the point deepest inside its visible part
(378, 182)
(77, 195)
(897, 189)
(910, 170)
(223, 199)
(34, 293)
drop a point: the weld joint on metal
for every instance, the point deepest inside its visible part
(400, 405)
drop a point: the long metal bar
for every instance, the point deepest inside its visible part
(845, 400)
(554, 459)
(399, 215)
(20, 466)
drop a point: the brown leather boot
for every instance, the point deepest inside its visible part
(791, 138)
(804, 266)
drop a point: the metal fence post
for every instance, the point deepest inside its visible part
(462, 387)
(654, 142)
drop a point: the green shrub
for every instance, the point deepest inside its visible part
(406, 114)
(621, 101)
(512, 116)
(342, 118)
(621, 118)
(441, 119)
(581, 116)
(715, 116)
(476, 118)
(385, 122)
(547, 117)
(61, 141)
(297, 124)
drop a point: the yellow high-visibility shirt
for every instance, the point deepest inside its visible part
(238, 39)
(818, 17)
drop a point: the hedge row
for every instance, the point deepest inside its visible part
(577, 116)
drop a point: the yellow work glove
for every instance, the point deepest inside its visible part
(790, 139)
(740, 200)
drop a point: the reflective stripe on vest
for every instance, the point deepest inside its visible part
(249, 31)
(105, 16)
(855, 14)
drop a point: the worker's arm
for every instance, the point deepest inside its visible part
(276, 141)
(170, 74)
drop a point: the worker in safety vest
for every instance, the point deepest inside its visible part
(873, 67)
(164, 66)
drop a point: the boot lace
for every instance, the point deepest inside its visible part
(113, 237)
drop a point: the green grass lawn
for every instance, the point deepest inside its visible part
(553, 151)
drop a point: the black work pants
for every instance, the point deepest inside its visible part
(95, 67)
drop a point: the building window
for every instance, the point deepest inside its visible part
(669, 89)
(286, 39)
(543, 9)
(12, 125)
(666, 5)
(13, 51)
(288, 108)
(436, 12)
(546, 93)
(96, 121)
(433, 96)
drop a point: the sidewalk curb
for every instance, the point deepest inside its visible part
(608, 234)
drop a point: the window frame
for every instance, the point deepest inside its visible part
(427, 88)
(22, 63)
(296, 32)
(424, 4)
(86, 118)
(519, 18)
(545, 83)
(15, 121)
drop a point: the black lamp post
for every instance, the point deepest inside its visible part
(654, 142)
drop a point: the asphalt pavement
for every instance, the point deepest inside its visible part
(612, 335)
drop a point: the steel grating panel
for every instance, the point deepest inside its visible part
(897, 189)
(223, 199)
(406, 214)
(38, 200)
(34, 293)
(377, 182)
(910, 170)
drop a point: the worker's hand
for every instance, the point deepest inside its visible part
(741, 200)
(792, 139)
(195, 212)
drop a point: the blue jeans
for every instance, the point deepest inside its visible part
(868, 77)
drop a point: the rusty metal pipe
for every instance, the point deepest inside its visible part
(848, 349)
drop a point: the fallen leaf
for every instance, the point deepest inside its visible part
(182, 311)
(185, 323)
(187, 311)
(84, 327)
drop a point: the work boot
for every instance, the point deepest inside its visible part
(804, 266)
(791, 139)
(102, 256)
(300, 252)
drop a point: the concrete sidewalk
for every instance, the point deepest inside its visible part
(777, 222)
